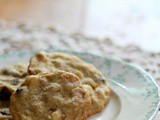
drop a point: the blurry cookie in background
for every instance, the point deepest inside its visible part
(11, 78)
(4, 110)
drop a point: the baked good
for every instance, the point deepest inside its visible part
(18, 70)
(11, 78)
(50, 96)
(92, 79)
(4, 110)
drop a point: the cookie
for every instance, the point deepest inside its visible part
(4, 110)
(11, 78)
(92, 79)
(50, 96)
(16, 70)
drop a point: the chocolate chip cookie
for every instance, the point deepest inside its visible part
(4, 110)
(92, 79)
(50, 96)
(11, 78)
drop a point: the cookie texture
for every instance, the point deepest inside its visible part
(11, 78)
(50, 96)
(4, 110)
(92, 79)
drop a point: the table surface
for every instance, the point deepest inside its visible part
(125, 21)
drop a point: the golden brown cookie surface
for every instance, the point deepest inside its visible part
(50, 96)
(11, 78)
(92, 79)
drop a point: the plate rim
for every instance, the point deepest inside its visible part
(136, 67)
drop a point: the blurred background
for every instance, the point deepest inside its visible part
(124, 22)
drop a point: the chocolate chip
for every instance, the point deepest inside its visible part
(52, 109)
(5, 94)
(19, 91)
